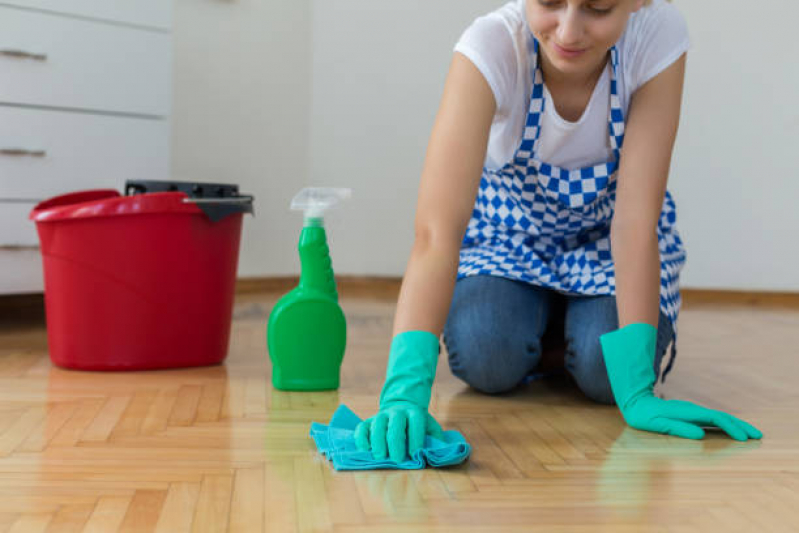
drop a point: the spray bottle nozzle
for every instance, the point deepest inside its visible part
(314, 201)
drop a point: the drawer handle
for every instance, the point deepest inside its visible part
(21, 54)
(20, 201)
(19, 152)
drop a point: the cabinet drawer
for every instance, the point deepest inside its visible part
(83, 64)
(152, 13)
(81, 151)
(22, 271)
(15, 228)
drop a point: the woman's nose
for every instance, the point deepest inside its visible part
(570, 28)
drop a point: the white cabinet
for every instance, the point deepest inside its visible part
(57, 61)
(15, 228)
(148, 13)
(81, 151)
(85, 100)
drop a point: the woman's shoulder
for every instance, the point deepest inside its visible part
(497, 44)
(658, 13)
(653, 22)
(508, 21)
(655, 36)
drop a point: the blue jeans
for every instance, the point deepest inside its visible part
(498, 328)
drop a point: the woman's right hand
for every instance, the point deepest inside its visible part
(396, 430)
(402, 422)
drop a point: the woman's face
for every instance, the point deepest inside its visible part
(575, 35)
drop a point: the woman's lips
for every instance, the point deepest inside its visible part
(567, 53)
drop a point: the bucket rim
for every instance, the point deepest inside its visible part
(109, 203)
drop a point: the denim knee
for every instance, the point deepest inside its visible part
(489, 362)
(586, 320)
(493, 331)
(586, 364)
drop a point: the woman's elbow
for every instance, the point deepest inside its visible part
(436, 235)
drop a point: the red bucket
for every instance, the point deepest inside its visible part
(139, 282)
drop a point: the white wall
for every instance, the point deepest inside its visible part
(735, 174)
(364, 103)
(240, 114)
(378, 73)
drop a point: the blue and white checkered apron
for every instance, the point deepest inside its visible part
(550, 226)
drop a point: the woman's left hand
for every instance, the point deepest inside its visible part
(683, 419)
(629, 357)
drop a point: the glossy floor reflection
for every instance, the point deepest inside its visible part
(218, 449)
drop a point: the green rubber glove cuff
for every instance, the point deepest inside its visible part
(629, 355)
(411, 369)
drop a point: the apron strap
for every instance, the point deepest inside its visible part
(671, 359)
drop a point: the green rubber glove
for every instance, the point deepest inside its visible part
(402, 422)
(629, 355)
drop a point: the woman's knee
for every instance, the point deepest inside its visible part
(586, 364)
(493, 332)
(490, 360)
(588, 318)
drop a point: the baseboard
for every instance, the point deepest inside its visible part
(15, 307)
(376, 287)
(389, 287)
(700, 297)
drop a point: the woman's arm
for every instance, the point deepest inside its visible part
(650, 132)
(450, 178)
(629, 352)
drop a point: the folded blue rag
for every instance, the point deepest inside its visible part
(337, 443)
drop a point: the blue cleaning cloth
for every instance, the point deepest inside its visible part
(337, 443)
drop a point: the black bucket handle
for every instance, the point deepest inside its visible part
(216, 200)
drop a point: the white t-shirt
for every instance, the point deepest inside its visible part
(500, 45)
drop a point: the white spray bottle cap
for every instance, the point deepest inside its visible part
(314, 201)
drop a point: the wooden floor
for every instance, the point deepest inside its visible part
(217, 449)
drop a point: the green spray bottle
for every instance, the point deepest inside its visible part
(307, 331)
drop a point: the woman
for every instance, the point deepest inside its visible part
(527, 195)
